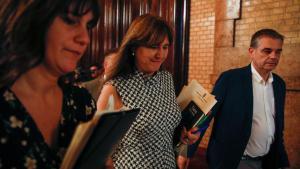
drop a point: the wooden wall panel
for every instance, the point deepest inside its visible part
(116, 16)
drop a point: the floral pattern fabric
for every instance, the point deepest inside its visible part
(21, 142)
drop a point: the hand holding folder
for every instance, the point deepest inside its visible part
(195, 103)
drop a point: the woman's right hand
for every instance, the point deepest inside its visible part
(191, 136)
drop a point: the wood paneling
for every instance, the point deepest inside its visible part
(116, 16)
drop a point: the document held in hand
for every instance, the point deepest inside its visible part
(195, 103)
(93, 141)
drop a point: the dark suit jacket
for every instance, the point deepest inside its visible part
(233, 120)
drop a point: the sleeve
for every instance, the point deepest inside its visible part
(86, 104)
(219, 91)
(11, 153)
(283, 158)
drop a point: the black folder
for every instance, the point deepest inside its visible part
(109, 130)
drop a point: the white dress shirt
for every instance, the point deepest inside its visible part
(263, 124)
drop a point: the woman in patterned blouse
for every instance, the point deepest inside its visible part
(138, 82)
(40, 41)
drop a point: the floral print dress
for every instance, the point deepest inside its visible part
(21, 142)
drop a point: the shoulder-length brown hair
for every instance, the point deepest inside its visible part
(23, 28)
(145, 30)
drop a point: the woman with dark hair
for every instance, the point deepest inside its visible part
(41, 40)
(137, 82)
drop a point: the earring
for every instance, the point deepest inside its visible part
(132, 53)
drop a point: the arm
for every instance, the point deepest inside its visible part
(103, 100)
(283, 158)
(182, 160)
(107, 91)
(194, 137)
(219, 91)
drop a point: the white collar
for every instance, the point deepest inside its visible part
(257, 76)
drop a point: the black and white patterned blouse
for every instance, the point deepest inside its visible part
(21, 142)
(149, 141)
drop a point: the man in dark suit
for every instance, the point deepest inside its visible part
(249, 116)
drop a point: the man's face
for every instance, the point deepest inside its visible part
(266, 55)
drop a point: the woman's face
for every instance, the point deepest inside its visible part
(66, 41)
(148, 59)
